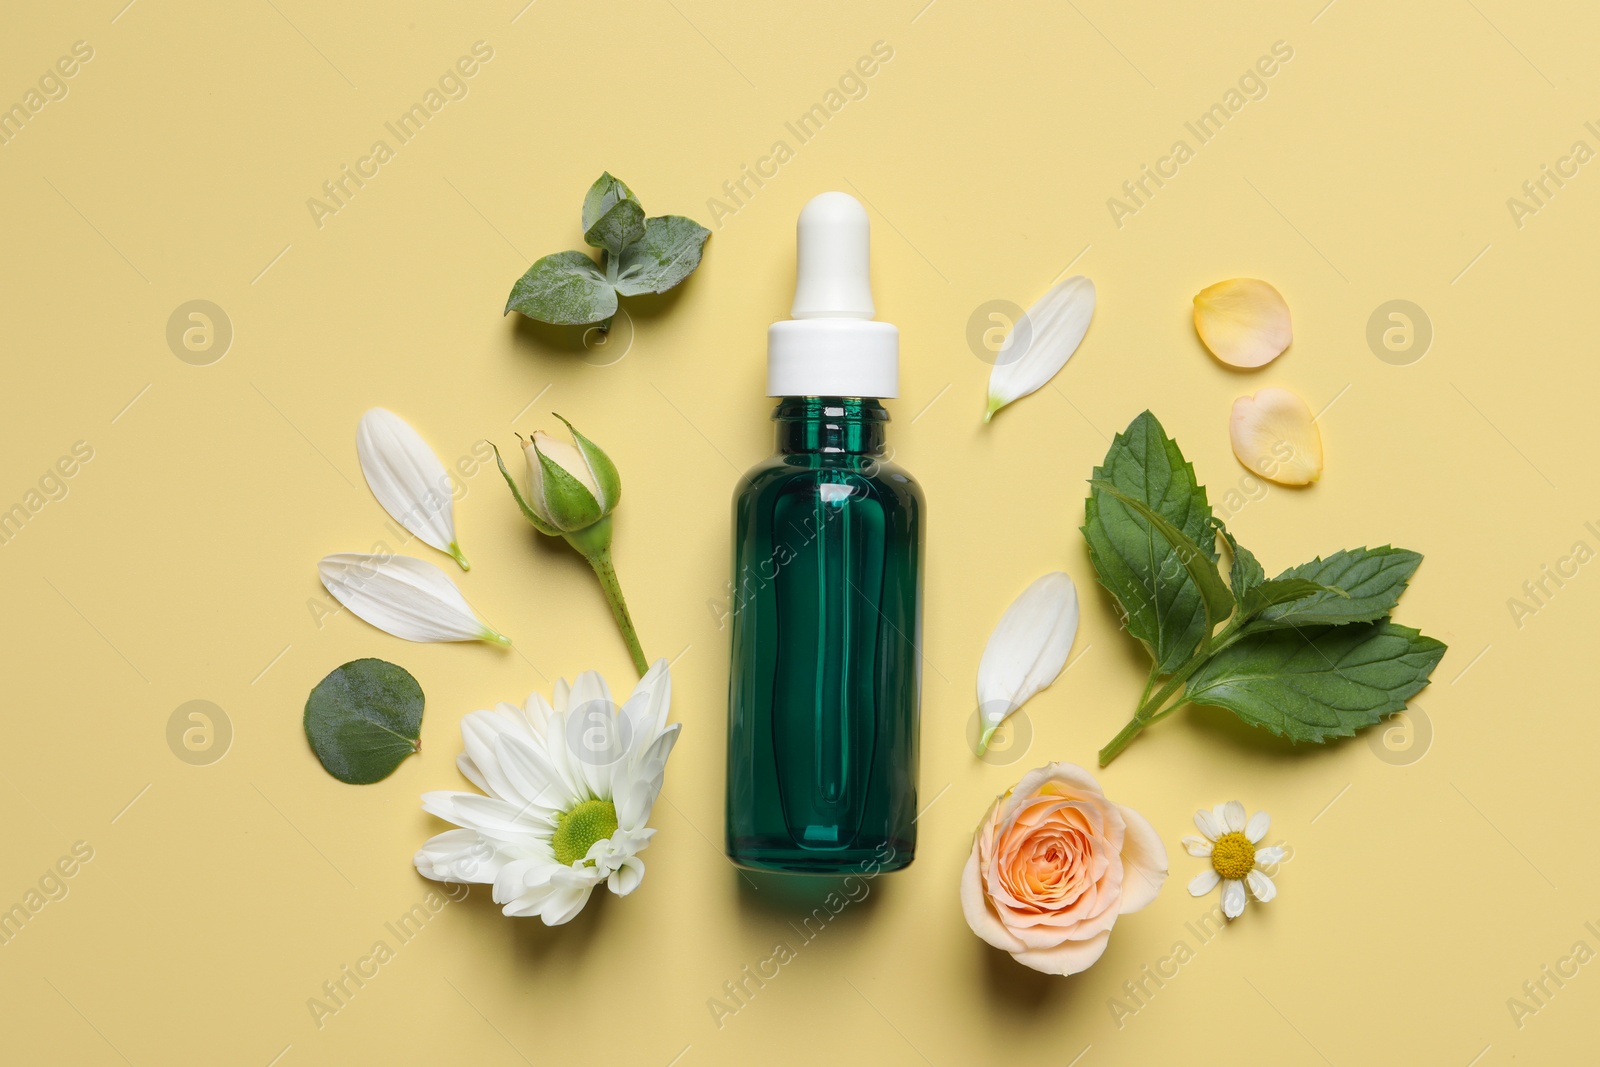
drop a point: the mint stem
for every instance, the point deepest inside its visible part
(1150, 708)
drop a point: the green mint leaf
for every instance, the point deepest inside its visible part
(1283, 591)
(616, 229)
(669, 253)
(1245, 573)
(363, 719)
(1369, 579)
(603, 195)
(1163, 606)
(1214, 592)
(1309, 685)
(566, 289)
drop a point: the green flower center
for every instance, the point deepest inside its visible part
(1233, 856)
(590, 821)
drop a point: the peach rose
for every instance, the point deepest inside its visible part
(1053, 865)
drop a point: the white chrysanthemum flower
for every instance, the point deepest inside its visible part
(569, 792)
(1230, 843)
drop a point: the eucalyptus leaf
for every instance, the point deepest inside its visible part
(566, 289)
(617, 228)
(1141, 568)
(669, 253)
(606, 192)
(364, 719)
(1309, 685)
(1366, 585)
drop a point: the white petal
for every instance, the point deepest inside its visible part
(1027, 649)
(1040, 343)
(626, 878)
(1197, 846)
(406, 597)
(1233, 814)
(408, 479)
(1233, 898)
(500, 819)
(1261, 886)
(1266, 857)
(1257, 827)
(636, 791)
(1204, 882)
(458, 856)
(1208, 823)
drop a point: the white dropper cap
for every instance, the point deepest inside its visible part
(832, 346)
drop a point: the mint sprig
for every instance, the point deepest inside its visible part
(638, 255)
(1308, 655)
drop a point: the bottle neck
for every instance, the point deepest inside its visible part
(822, 424)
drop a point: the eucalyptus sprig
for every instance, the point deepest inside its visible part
(1309, 655)
(637, 256)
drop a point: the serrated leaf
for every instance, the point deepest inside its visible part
(1283, 591)
(1371, 580)
(566, 289)
(1245, 573)
(606, 192)
(1309, 685)
(364, 719)
(1139, 567)
(666, 255)
(1214, 592)
(617, 228)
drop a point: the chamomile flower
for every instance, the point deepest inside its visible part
(567, 788)
(1230, 844)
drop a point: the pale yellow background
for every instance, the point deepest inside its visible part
(1421, 894)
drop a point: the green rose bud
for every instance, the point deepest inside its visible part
(571, 492)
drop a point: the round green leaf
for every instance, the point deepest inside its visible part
(363, 719)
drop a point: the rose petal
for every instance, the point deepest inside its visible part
(1275, 435)
(1243, 321)
(1145, 857)
(975, 906)
(1069, 957)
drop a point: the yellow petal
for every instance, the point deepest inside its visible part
(1244, 321)
(1275, 435)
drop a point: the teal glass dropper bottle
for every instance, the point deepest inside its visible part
(826, 615)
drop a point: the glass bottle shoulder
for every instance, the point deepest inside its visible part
(787, 473)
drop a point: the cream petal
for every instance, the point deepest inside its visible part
(1197, 846)
(1204, 882)
(1261, 886)
(1275, 435)
(1208, 823)
(1233, 816)
(405, 597)
(1243, 321)
(1266, 857)
(1039, 344)
(975, 906)
(1144, 858)
(1257, 827)
(1027, 650)
(408, 479)
(1232, 898)
(1068, 957)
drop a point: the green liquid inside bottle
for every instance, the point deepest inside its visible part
(827, 630)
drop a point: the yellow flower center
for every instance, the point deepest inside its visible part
(578, 830)
(1233, 856)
